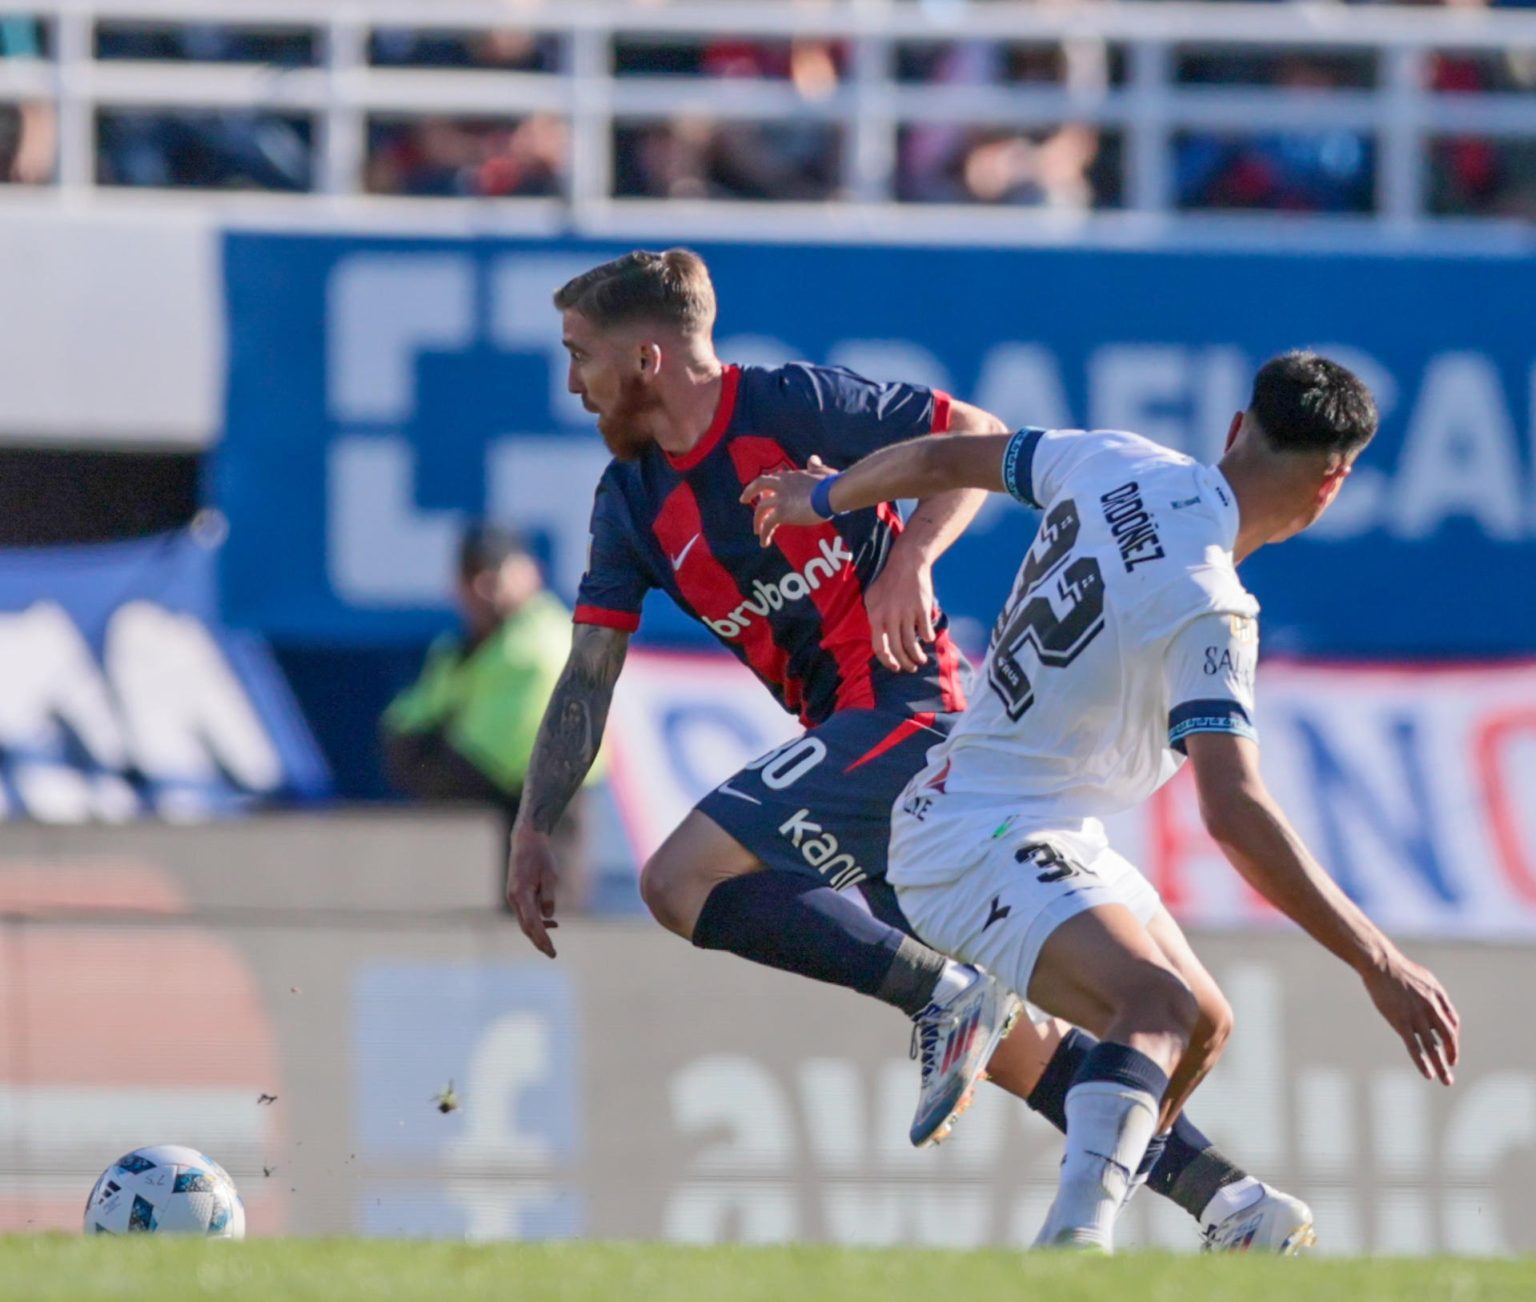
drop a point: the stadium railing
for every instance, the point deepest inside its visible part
(1146, 107)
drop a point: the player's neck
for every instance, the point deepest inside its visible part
(1261, 513)
(689, 402)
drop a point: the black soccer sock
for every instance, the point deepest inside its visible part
(1156, 1146)
(1049, 1097)
(798, 925)
(1192, 1169)
(1188, 1170)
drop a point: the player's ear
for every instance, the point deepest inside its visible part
(1333, 481)
(650, 359)
(1232, 429)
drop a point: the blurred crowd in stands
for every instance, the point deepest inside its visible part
(1070, 167)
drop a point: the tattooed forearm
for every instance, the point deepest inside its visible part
(573, 725)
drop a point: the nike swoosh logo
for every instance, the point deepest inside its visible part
(725, 788)
(677, 561)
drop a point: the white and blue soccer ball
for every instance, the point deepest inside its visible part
(167, 1189)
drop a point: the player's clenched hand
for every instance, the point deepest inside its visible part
(531, 886)
(784, 497)
(1416, 1006)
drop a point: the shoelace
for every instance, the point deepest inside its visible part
(927, 1030)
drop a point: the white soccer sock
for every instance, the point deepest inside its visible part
(1108, 1127)
(1143, 1171)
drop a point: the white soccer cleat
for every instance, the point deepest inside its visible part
(1275, 1222)
(953, 1041)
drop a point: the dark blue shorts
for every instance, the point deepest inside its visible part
(820, 806)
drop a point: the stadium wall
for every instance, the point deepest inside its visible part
(112, 336)
(291, 994)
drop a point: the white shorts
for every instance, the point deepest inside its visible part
(996, 904)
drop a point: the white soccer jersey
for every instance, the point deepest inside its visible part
(1126, 631)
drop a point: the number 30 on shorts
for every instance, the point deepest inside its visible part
(786, 766)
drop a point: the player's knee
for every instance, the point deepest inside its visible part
(662, 887)
(1165, 1005)
(1183, 1007)
(1214, 1027)
(1218, 1021)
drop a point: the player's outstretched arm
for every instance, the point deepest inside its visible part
(900, 601)
(921, 467)
(1243, 818)
(564, 753)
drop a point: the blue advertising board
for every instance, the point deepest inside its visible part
(383, 390)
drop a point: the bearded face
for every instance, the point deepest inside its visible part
(625, 426)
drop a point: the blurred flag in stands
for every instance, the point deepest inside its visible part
(125, 697)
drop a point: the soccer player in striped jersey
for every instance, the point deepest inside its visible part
(784, 863)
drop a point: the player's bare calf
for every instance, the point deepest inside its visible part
(1103, 971)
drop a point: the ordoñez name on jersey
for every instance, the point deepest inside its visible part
(792, 587)
(1134, 527)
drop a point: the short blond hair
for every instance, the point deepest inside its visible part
(671, 288)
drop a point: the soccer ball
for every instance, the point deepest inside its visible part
(166, 1189)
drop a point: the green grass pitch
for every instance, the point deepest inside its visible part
(277, 1270)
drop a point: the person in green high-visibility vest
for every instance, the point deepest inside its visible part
(464, 731)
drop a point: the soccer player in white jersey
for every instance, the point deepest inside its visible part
(1128, 645)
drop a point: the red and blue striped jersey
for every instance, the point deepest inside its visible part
(794, 612)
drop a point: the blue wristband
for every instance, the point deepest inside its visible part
(821, 497)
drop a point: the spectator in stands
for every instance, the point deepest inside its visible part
(1321, 171)
(506, 49)
(787, 159)
(692, 157)
(447, 157)
(1465, 169)
(456, 157)
(965, 164)
(1472, 174)
(277, 46)
(668, 160)
(205, 149)
(235, 150)
(463, 732)
(28, 132)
